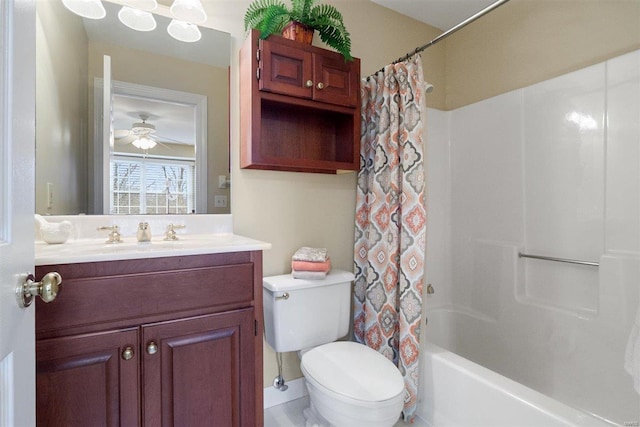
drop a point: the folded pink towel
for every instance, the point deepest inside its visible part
(310, 254)
(311, 266)
(309, 275)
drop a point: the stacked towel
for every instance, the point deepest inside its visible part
(310, 263)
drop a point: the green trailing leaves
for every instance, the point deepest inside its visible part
(257, 11)
(271, 16)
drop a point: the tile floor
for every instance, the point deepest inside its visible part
(290, 415)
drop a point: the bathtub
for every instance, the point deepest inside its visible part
(457, 392)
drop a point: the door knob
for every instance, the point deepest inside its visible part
(47, 289)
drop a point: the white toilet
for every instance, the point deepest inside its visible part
(349, 384)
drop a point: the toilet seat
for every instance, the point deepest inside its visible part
(353, 372)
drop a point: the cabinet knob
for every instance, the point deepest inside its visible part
(320, 86)
(128, 353)
(152, 347)
(309, 83)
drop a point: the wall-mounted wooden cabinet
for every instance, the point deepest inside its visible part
(300, 107)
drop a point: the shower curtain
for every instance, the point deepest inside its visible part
(391, 220)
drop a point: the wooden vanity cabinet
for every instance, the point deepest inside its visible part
(300, 107)
(155, 342)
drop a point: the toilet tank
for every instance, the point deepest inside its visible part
(315, 312)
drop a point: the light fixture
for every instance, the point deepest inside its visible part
(189, 11)
(142, 4)
(184, 31)
(137, 19)
(144, 143)
(92, 9)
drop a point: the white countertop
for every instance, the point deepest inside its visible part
(203, 234)
(92, 250)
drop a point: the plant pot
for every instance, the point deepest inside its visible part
(298, 32)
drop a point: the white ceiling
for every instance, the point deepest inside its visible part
(442, 14)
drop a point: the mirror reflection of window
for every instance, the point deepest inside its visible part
(151, 185)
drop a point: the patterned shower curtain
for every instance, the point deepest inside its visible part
(391, 220)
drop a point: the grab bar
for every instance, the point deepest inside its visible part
(550, 258)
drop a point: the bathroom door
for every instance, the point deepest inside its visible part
(17, 159)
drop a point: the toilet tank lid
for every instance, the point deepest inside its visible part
(286, 282)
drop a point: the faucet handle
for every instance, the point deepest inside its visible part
(144, 232)
(114, 236)
(171, 231)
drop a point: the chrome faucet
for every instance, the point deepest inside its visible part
(114, 236)
(144, 232)
(171, 232)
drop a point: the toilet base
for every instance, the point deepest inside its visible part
(327, 411)
(314, 419)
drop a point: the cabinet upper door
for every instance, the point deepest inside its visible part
(336, 81)
(285, 69)
(200, 371)
(88, 380)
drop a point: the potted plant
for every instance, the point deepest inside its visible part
(299, 22)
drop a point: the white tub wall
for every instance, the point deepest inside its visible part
(462, 393)
(541, 169)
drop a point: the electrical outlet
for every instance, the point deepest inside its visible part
(220, 201)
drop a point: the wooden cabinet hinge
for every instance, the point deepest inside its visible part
(258, 73)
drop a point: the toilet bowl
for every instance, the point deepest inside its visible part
(349, 385)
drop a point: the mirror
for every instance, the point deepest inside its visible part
(147, 70)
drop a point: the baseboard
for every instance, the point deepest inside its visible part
(296, 390)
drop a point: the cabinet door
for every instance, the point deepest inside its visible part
(336, 81)
(84, 380)
(285, 69)
(202, 373)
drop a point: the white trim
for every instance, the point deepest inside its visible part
(166, 95)
(273, 397)
(6, 392)
(5, 95)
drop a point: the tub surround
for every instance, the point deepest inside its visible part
(488, 399)
(550, 169)
(202, 234)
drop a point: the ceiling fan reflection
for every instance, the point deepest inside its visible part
(142, 135)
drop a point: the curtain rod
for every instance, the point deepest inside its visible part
(450, 31)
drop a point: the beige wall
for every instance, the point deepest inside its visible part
(528, 41)
(61, 105)
(133, 66)
(290, 209)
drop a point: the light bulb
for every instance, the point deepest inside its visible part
(184, 31)
(188, 11)
(144, 143)
(92, 9)
(142, 4)
(137, 19)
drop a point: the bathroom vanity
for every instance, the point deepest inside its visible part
(152, 338)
